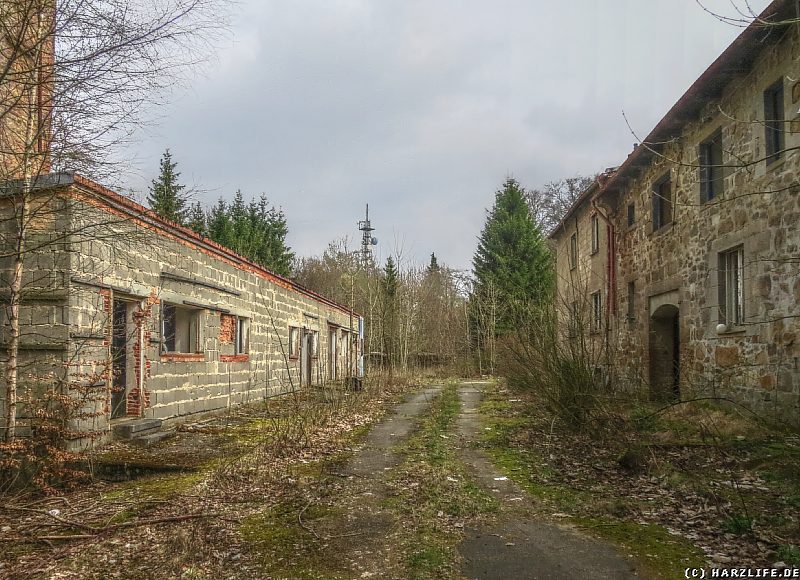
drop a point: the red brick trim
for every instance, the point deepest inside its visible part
(183, 357)
(149, 219)
(234, 358)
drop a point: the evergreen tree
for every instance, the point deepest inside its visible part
(390, 278)
(220, 228)
(196, 219)
(434, 265)
(512, 259)
(389, 284)
(166, 196)
(256, 230)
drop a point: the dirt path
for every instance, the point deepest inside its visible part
(519, 546)
(353, 535)
(378, 454)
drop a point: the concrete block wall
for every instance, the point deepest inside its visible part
(43, 313)
(147, 265)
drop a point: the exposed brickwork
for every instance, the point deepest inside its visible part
(234, 358)
(183, 357)
(227, 328)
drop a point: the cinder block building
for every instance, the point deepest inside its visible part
(131, 316)
(683, 263)
(112, 314)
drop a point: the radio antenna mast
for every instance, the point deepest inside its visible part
(367, 240)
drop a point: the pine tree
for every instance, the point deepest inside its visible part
(512, 259)
(219, 224)
(196, 219)
(390, 278)
(389, 284)
(256, 230)
(434, 265)
(166, 196)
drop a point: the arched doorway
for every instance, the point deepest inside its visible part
(665, 353)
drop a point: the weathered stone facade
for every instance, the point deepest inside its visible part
(700, 266)
(141, 317)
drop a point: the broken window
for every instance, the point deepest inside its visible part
(773, 122)
(710, 157)
(731, 287)
(662, 203)
(242, 335)
(294, 342)
(595, 234)
(597, 312)
(573, 251)
(180, 329)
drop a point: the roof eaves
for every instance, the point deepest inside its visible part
(737, 58)
(66, 179)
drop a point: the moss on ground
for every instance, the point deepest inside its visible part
(695, 437)
(655, 549)
(432, 494)
(283, 547)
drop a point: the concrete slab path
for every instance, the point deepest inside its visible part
(519, 547)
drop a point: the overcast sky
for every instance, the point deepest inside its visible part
(421, 108)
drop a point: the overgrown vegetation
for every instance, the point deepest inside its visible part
(218, 472)
(433, 495)
(569, 374)
(682, 487)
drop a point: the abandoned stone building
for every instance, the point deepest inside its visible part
(683, 264)
(138, 317)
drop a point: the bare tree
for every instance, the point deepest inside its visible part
(76, 80)
(550, 203)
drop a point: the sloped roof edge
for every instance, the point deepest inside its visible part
(136, 210)
(737, 58)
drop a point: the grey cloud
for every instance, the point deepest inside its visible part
(423, 108)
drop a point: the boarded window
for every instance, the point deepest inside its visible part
(711, 176)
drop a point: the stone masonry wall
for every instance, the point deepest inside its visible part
(757, 363)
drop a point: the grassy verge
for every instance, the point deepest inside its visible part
(510, 425)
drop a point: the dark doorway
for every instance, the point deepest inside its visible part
(306, 357)
(665, 353)
(119, 358)
(332, 354)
